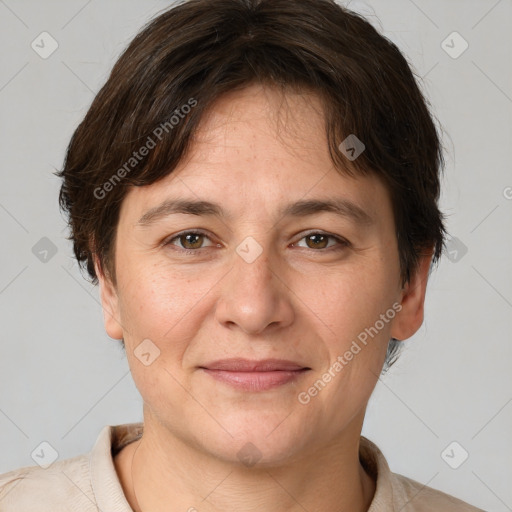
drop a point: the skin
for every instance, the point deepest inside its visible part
(296, 301)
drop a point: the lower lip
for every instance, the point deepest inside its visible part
(255, 381)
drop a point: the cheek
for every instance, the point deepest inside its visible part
(167, 307)
(160, 315)
(153, 301)
(356, 300)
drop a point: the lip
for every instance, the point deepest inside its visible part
(248, 375)
(239, 364)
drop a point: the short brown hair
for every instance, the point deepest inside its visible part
(199, 49)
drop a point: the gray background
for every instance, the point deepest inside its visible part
(62, 378)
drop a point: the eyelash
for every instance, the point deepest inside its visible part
(342, 243)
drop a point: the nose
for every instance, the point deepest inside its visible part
(254, 296)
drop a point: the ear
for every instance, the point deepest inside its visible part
(109, 302)
(410, 317)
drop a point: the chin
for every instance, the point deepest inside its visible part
(257, 442)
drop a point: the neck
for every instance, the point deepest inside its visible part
(184, 478)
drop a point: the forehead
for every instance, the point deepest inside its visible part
(289, 125)
(255, 150)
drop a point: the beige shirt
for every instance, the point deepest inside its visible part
(89, 483)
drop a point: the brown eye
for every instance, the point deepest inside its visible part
(189, 241)
(320, 241)
(317, 241)
(192, 241)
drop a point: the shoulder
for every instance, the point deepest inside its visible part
(398, 492)
(63, 486)
(86, 483)
(414, 496)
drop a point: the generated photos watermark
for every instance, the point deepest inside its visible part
(143, 151)
(304, 397)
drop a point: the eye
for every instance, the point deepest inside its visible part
(191, 241)
(319, 240)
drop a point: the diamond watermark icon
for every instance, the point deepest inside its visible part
(249, 455)
(352, 147)
(454, 45)
(455, 249)
(44, 45)
(249, 250)
(44, 455)
(44, 250)
(454, 455)
(146, 352)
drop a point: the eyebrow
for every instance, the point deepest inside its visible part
(339, 206)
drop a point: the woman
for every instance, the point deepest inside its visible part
(255, 191)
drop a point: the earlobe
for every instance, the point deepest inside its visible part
(410, 317)
(109, 302)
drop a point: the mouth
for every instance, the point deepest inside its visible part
(247, 375)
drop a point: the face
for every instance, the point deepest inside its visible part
(265, 317)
